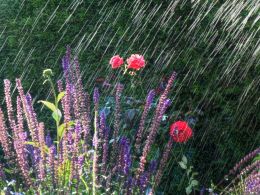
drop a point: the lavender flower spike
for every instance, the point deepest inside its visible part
(42, 152)
(119, 89)
(101, 135)
(4, 139)
(252, 183)
(66, 61)
(163, 162)
(244, 160)
(145, 177)
(105, 150)
(75, 152)
(124, 156)
(28, 114)
(161, 108)
(147, 106)
(96, 96)
(51, 162)
(2, 174)
(8, 100)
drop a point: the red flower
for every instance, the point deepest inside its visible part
(180, 131)
(116, 61)
(136, 61)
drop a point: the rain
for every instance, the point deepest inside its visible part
(218, 38)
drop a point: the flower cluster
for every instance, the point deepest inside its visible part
(135, 62)
(245, 174)
(81, 155)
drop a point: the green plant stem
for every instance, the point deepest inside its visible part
(181, 183)
(56, 105)
(95, 155)
(85, 184)
(125, 70)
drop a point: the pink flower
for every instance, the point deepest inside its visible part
(116, 61)
(136, 61)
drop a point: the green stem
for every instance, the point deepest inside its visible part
(125, 70)
(85, 184)
(181, 183)
(53, 90)
(95, 155)
(56, 105)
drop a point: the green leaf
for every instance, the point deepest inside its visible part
(194, 183)
(194, 174)
(189, 171)
(183, 166)
(111, 141)
(64, 171)
(184, 159)
(256, 158)
(57, 115)
(49, 105)
(35, 144)
(46, 149)
(62, 127)
(188, 190)
(9, 171)
(45, 81)
(60, 96)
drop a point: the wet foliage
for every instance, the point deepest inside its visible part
(212, 45)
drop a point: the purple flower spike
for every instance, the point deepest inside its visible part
(167, 103)
(153, 166)
(105, 150)
(51, 162)
(5, 141)
(125, 158)
(129, 183)
(143, 181)
(65, 65)
(140, 131)
(66, 61)
(161, 108)
(102, 125)
(145, 177)
(80, 163)
(2, 174)
(96, 96)
(119, 89)
(48, 140)
(164, 107)
(8, 100)
(150, 98)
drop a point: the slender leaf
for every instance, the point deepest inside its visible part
(57, 115)
(62, 128)
(60, 96)
(49, 105)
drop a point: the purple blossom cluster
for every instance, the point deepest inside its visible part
(252, 183)
(64, 161)
(246, 173)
